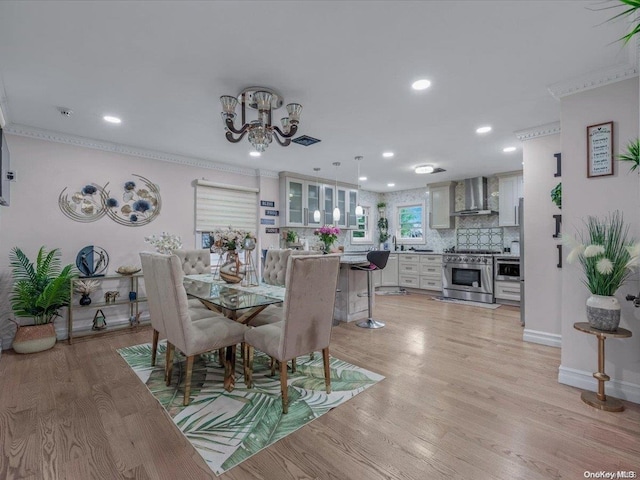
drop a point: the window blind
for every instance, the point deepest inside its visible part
(219, 206)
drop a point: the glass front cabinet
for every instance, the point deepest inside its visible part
(301, 198)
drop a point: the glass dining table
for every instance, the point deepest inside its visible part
(237, 302)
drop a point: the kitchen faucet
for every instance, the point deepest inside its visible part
(395, 245)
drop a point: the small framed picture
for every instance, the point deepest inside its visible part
(600, 150)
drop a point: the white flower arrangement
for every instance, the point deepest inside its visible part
(606, 253)
(229, 238)
(165, 242)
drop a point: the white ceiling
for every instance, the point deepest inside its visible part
(161, 67)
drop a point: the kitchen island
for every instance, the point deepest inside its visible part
(351, 283)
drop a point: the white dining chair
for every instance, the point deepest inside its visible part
(307, 318)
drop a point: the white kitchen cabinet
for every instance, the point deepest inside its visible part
(377, 278)
(390, 272)
(347, 200)
(441, 204)
(408, 270)
(507, 291)
(431, 272)
(511, 189)
(313, 198)
(300, 197)
(294, 202)
(420, 271)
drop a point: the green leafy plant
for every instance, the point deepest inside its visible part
(40, 290)
(632, 155)
(605, 252)
(383, 229)
(556, 195)
(633, 12)
(291, 236)
(381, 205)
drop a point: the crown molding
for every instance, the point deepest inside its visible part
(260, 172)
(51, 136)
(596, 79)
(540, 131)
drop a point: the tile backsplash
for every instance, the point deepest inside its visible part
(480, 239)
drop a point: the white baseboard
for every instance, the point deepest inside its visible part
(543, 338)
(585, 381)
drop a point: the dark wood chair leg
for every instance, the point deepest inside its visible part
(168, 371)
(327, 370)
(154, 346)
(283, 386)
(187, 380)
(230, 369)
(248, 369)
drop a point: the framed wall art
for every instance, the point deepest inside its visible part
(600, 150)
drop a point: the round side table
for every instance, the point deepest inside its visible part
(599, 399)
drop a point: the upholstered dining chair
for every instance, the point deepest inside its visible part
(307, 318)
(166, 291)
(275, 273)
(275, 265)
(195, 262)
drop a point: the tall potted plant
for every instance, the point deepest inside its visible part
(606, 254)
(39, 291)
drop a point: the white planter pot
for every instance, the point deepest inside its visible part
(603, 312)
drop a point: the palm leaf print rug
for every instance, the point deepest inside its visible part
(229, 427)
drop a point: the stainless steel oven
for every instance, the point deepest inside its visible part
(507, 269)
(468, 277)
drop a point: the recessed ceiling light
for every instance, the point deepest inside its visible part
(363, 179)
(111, 119)
(255, 154)
(485, 129)
(388, 154)
(391, 184)
(509, 149)
(422, 84)
(424, 169)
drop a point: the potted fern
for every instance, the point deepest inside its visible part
(39, 291)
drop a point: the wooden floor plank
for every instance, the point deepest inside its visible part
(464, 397)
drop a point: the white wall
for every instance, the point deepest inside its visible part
(582, 197)
(45, 168)
(542, 277)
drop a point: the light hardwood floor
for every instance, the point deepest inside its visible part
(463, 398)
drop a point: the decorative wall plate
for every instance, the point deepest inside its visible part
(139, 205)
(85, 205)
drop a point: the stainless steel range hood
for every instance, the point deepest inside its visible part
(475, 198)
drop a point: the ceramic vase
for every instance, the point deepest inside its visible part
(603, 312)
(85, 299)
(34, 338)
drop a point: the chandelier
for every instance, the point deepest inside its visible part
(261, 131)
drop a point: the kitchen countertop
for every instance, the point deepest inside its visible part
(363, 255)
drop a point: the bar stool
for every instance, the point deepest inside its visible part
(377, 261)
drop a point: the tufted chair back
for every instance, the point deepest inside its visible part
(194, 261)
(275, 265)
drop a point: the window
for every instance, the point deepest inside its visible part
(410, 223)
(222, 206)
(362, 232)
